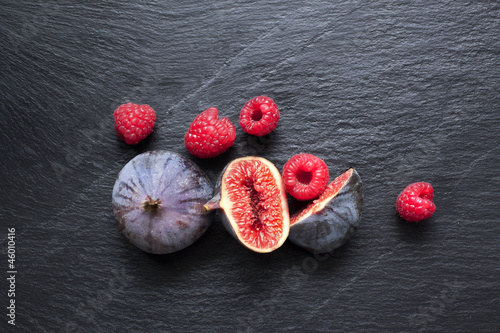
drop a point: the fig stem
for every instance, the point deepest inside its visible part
(214, 203)
(151, 204)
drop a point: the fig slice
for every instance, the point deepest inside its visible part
(252, 201)
(158, 201)
(332, 219)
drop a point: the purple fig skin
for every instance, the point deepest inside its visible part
(158, 201)
(335, 224)
(213, 204)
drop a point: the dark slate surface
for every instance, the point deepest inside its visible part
(404, 91)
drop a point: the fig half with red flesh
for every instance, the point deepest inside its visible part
(252, 201)
(331, 220)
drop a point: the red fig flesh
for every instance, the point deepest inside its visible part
(252, 198)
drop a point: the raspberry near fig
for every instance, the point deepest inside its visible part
(259, 116)
(209, 136)
(305, 176)
(134, 122)
(415, 203)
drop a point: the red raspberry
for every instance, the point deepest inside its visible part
(209, 136)
(305, 176)
(134, 122)
(259, 116)
(415, 202)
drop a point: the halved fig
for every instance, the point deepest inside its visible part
(331, 220)
(253, 204)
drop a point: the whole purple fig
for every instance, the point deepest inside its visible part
(158, 201)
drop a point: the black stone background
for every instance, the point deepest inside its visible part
(404, 91)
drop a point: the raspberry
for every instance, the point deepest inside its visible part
(415, 202)
(209, 136)
(259, 116)
(305, 176)
(134, 122)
